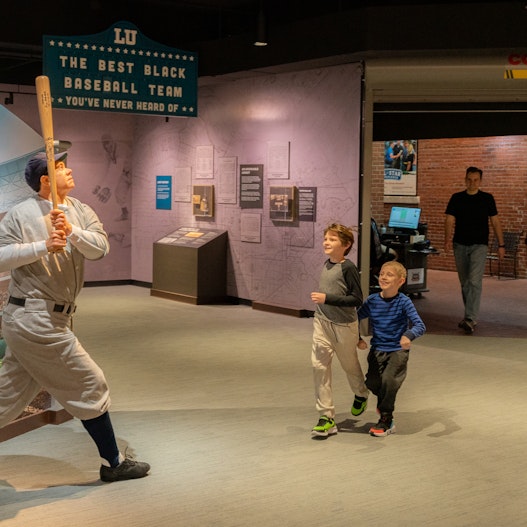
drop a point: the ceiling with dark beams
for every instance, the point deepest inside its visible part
(222, 31)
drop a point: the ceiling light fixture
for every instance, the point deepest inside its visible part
(261, 37)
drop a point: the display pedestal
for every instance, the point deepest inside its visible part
(190, 265)
(41, 412)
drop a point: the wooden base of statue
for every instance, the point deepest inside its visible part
(37, 414)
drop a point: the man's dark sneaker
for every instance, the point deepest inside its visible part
(359, 405)
(384, 427)
(325, 427)
(467, 326)
(128, 469)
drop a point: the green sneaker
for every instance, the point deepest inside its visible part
(325, 427)
(359, 405)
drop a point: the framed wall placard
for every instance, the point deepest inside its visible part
(278, 160)
(203, 200)
(251, 186)
(182, 184)
(227, 187)
(251, 227)
(307, 204)
(282, 203)
(205, 162)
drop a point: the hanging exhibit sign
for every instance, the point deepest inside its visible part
(120, 70)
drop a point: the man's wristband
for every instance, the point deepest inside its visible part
(501, 246)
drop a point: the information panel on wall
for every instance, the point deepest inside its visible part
(163, 192)
(120, 70)
(251, 186)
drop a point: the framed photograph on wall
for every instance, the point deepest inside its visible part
(282, 203)
(400, 167)
(203, 200)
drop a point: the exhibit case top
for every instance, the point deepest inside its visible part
(190, 237)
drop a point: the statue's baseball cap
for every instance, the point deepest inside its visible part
(37, 167)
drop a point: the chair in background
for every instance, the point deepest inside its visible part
(512, 242)
(379, 254)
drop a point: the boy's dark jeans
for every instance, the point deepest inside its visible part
(386, 373)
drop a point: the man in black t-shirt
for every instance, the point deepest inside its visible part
(467, 217)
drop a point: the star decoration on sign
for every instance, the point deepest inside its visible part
(110, 49)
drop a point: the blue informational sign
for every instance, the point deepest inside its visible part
(164, 192)
(120, 70)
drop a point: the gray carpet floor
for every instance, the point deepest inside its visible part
(219, 400)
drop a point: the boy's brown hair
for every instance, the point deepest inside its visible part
(344, 233)
(398, 267)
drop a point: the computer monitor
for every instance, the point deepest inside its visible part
(404, 218)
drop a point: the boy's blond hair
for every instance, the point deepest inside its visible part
(344, 233)
(398, 267)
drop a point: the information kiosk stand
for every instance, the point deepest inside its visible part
(406, 236)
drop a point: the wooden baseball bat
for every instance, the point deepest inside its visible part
(46, 125)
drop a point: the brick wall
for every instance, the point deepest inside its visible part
(441, 165)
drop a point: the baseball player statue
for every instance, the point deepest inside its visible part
(45, 249)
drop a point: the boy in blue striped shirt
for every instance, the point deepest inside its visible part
(394, 324)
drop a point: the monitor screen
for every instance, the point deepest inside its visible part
(404, 218)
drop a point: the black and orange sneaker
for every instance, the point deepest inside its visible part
(384, 427)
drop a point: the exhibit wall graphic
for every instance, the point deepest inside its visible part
(306, 122)
(312, 119)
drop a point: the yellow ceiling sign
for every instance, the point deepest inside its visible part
(515, 74)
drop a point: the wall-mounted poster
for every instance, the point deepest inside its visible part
(307, 204)
(400, 167)
(227, 180)
(203, 200)
(251, 186)
(282, 203)
(163, 192)
(182, 184)
(205, 161)
(278, 160)
(251, 227)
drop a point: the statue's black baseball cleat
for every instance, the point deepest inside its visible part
(128, 469)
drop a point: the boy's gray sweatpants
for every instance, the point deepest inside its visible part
(331, 339)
